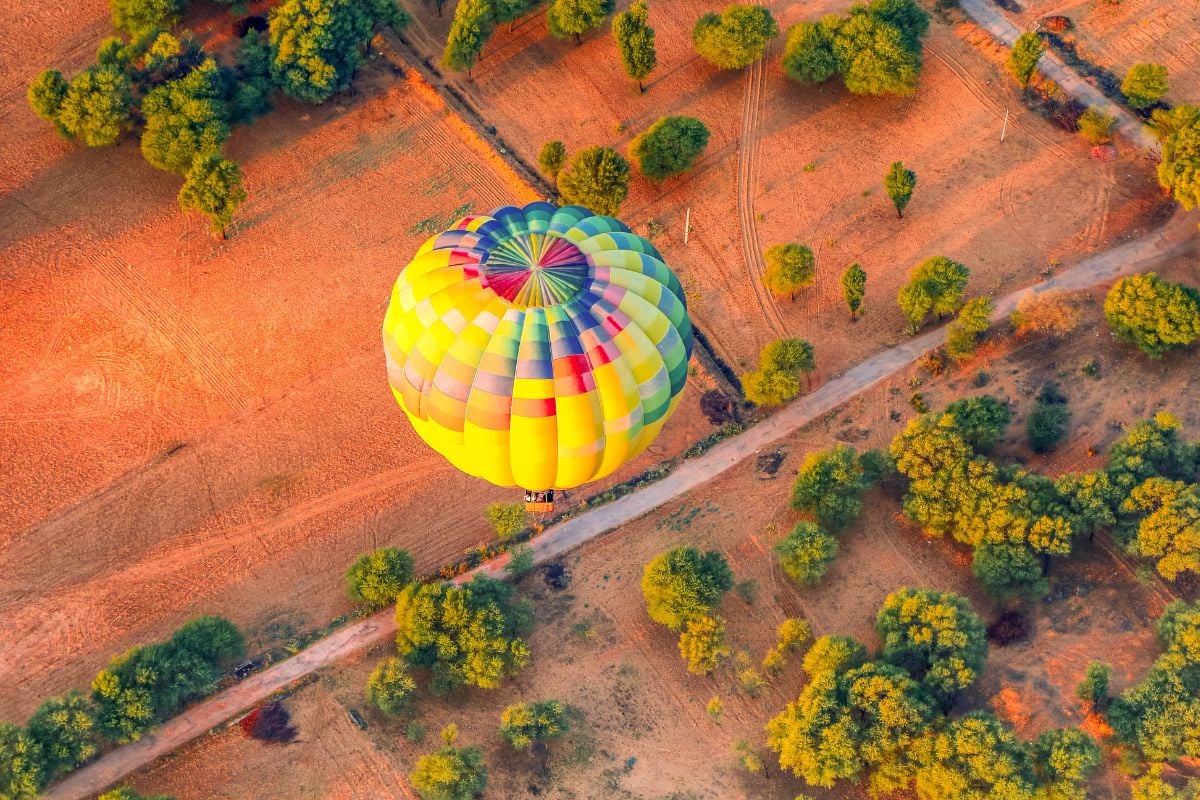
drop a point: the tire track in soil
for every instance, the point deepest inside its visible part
(183, 335)
(746, 180)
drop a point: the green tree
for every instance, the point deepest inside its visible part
(669, 147)
(808, 55)
(65, 730)
(779, 366)
(567, 18)
(806, 553)
(97, 107)
(390, 687)
(469, 32)
(1165, 518)
(317, 45)
(1179, 169)
(1144, 85)
(520, 563)
(980, 421)
(22, 764)
(1023, 58)
(1096, 126)
(126, 793)
(702, 644)
(213, 186)
(875, 57)
(1046, 425)
(1093, 689)
(635, 42)
(452, 773)
(834, 654)
(792, 356)
(1152, 448)
(830, 486)
(900, 182)
(735, 38)
(936, 637)
(935, 285)
(771, 388)
(551, 158)
(46, 94)
(974, 318)
(507, 519)
(377, 578)
(522, 724)
(1091, 498)
(854, 288)
(186, 120)
(1151, 786)
(137, 16)
(683, 583)
(596, 178)
(790, 267)
(252, 71)
(1153, 314)
(844, 722)
(975, 756)
(467, 635)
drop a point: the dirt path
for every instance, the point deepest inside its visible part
(1140, 254)
(994, 22)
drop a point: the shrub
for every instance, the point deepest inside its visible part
(507, 519)
(806, 553)
(521, 562)
(735, 38)
(523, 724)
(790, 267)
(1053, 313)
(452, 773)
(1096, 126)
(670, 147)
(702, 644)
(1093, 689)
(390, 687)
(377, 578)
(596, 178)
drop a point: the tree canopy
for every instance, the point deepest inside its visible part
(1153, 314)
(317, 45)
(1023, 58)
(22, 764)
(213, 186)
(522, 724)
(684, 583)
(1179, 169)
(806, 552)
(735, 38)
(635, 42)
(974, 318)
(390, 687)
(451, 773)
(137, 16)
(469, 32)
(702, 644)
(65, 730)
(790, 267)
(830, 486)
(900, 182)
(567, 18)
(1144, 85)
(596, 178)
(935, 285)
(854, 288)
(551, 158)
(465, 635)
(669, 147)
(776, 381)
(186, 119)
(377, 578)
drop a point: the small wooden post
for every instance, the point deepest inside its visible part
(1005, 128)
(687, 224)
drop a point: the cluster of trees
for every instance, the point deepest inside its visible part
(934, 286)
(1015, 519)
(1153, 314)
(829, 486)
(875, 50)
(682, 588)
(1160, 717)
(465, 635)
(185, 103)
(886, 718)
(137, 689)
(777, 379)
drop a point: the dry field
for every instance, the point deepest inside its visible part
(198, 426)
(792, 163)
(1119, 35)
(642, 731)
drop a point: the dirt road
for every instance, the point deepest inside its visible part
(994, 22)
(1173, 239)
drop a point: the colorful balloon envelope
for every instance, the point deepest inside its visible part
(540, 347)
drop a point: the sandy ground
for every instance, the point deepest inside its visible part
(642, 731)
(1007, 210)
(1119, 35)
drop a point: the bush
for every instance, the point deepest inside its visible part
(735, 38)
(390, 687)
(1053, 313)
(790, 267)
(452, 773)
(1093, 689)
(523, 724)
(507, 519)
(702, 644)
(1096, 126)
(670, 147)
(377, 578)
(520, 563)
(806, 553)
(22, 764)
(597, 179)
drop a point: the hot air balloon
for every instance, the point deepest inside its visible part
(539, 347)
